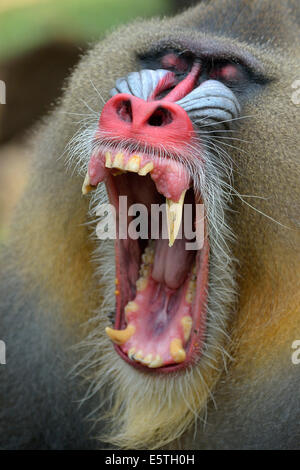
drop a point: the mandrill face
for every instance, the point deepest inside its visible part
(181, 123)
(156, 143)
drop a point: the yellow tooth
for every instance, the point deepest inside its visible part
(157, 362)
(131, 353)
(108, 161)
(131, 307)
(141, 284)
(174, 216)
(120, 336)
(145, 360)
(186, 323)
(189, 296)
(133, 163)
(148, 359)
(119, 161)
(146, 169)
(177, 351)
(87, 187)
(139, 355)
(145, 270)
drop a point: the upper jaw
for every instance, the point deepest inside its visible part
(170, 177)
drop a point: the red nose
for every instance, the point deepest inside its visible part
(150, 122)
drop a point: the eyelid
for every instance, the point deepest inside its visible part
(227, 72)
(211, 51)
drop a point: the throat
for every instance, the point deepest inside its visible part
(171, 264)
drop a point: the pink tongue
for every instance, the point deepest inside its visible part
(171, 264)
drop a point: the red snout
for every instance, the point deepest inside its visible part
(148, 122)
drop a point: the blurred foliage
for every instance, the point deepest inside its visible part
(25, 24)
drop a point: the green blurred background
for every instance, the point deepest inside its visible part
(40, 42)
(27, 23)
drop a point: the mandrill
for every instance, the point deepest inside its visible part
(162, 340)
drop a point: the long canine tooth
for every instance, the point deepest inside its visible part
(174, 216)
(108, 161)
(120, 336)
(133, 163)
(87, 187)
(177, 351)
(146, 169)
(119, 161)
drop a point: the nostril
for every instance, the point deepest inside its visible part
(160, 117)
(124, 111)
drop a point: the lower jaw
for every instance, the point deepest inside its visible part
(198, 310)
(126, 292)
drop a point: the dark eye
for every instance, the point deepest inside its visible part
(230, 73)
(174, 61)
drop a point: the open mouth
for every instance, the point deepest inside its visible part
(148, 149)
(161, 283)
